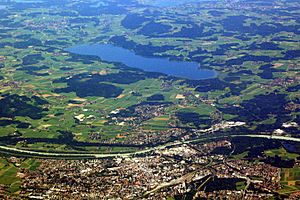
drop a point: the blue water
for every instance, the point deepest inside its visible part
(108, 52)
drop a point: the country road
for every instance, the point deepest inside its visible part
(32, 153)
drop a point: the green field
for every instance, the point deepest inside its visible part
(10, 173)
(46, 89)
(290, 179)
(282, 153)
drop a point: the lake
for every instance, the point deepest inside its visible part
(111, 53)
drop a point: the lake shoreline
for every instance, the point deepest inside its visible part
(111, 53)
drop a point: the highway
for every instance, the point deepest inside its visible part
(40, 154)
(271, 137)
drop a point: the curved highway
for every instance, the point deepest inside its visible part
(32, 153)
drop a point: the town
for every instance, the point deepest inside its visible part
(197, 170)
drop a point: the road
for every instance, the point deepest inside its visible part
(31, 153)
(271, 137)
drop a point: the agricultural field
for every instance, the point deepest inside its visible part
(112, 78)
(12, 171)
(54, 99)
(290, 180)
